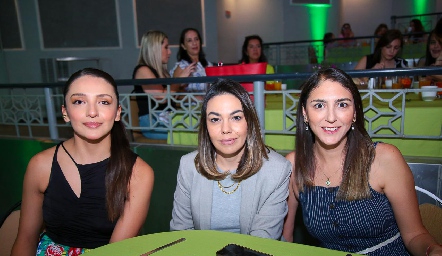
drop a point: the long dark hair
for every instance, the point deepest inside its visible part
(359, 149)
(385, 40)
(428, 57)
(244, 57)
(119, 169)
(183, 55)
(254, 148)
(379, 28)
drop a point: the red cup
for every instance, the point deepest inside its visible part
(406, 82)
(439, 85)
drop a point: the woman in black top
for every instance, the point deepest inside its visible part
(385, 53)
(91, 189)
(152, 63)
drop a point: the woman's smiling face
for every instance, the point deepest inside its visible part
(226, 125)
(330, 112)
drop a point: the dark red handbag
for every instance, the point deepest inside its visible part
(239, 69)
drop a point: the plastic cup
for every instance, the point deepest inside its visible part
(388, 83)
(416, 86)
(283, 86)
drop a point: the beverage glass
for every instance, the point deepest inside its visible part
(423, 81)
(389, 82)
(406, 81)
(278, 84)
(396, 83)
(270, 86)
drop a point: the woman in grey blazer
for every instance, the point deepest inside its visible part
(233, 182)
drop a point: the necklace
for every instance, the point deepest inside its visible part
(328, 182)
(228, 192)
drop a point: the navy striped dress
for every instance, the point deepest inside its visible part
(351, 226)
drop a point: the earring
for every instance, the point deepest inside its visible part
(306, 126)
(64, 116)
(352, 127)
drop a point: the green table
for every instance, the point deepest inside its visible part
(421, 118)
(206, 243)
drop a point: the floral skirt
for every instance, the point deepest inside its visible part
(47, 247)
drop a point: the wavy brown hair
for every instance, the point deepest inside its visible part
(121, 160)
(254, 149)
(359, 149)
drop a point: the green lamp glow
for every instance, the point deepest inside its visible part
(318, 22)
(421, 6)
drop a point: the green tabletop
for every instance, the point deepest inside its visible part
(421, 119)
(207, 243)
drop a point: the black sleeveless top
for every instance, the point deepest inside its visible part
(78, 222)
(400, 63)
(142, 101)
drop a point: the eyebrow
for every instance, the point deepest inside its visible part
(217, 114)
(99, 95)
(338, 100)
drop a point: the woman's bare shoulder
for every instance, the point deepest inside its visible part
(142, 170)
(388, 164)
(43, 158)
(291, 157)
(144, 72)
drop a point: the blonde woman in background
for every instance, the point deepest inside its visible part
(152, 63)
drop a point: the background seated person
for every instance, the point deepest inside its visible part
(252, 53)
(347, 35)
(433, 56)
(385, 53)
(152, 63)
(191, 60)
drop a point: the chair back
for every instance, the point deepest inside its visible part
(136, 135)
(8, 233)
(431, 215)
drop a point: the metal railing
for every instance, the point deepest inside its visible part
(22, 111)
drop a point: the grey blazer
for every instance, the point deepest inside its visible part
(263, 198)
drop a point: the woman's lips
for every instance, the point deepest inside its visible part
(228, 141)
(330, 129)
(92, 124)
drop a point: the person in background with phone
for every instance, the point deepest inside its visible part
(356, 195)
(416, 32)
(347, 35)
(191, 60)
(233, 182)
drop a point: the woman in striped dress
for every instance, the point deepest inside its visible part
(356, 195)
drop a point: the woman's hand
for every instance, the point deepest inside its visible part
(186, 72)
(434, 250)
(378, 66)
